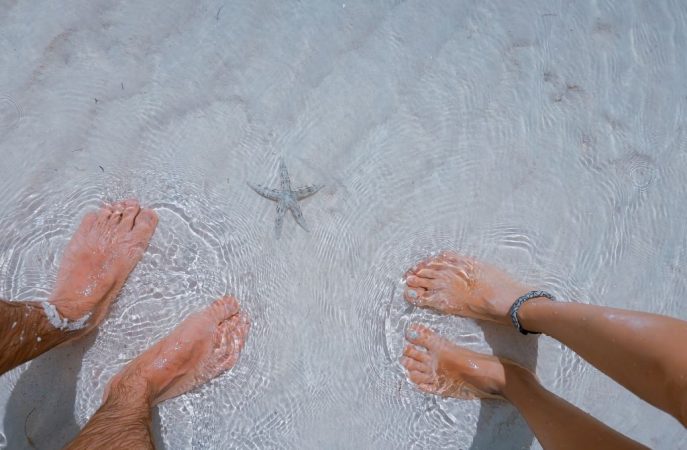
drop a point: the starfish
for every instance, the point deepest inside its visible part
(286, 198)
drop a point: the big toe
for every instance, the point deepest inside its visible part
(232, 335)
(224, 308)
(237, 328)
(144, 223)
(415, 295)
(88, 220)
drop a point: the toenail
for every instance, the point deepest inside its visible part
(412, 294)
(412, 334)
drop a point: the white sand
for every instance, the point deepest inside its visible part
(547, 137)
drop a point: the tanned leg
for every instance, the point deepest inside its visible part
(643, 352)
(440, 367)
(203, 346)
(25, 333)
(94, 267)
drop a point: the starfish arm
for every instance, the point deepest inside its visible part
(298, 215)
(272, 194)
(279, 221)
(307, 191)
(284, 179)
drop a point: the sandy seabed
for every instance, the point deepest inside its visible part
(548, 137)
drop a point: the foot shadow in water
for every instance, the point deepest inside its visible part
(40, 411)
(498, 419)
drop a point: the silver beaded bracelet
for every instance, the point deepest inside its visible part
(519, 302)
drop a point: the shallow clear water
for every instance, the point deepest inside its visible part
(547, 137)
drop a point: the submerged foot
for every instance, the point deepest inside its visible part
(458, 285)
(99, 257)
(440, 367)
(200, 348)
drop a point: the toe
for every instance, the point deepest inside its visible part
(419, 377)
(418, 266)
(129, 215)
(145, 223)
(412, 365)
(415, 281)
(428, 273)
(451, 261)
(413, 353)
(421, 336)
(414, 295)
(426, 387)
(241, 326)
(129, 202)
(448, 255)
(234, 332)
(223, 308)
(104, 214)
(117, 212)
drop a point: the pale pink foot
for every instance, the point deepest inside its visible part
(200, 348)
(104, 250)
(441, 367)
(458, 285)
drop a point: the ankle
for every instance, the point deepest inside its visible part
(131, 391)
(518, 380)
(498, 300)
(530, 314)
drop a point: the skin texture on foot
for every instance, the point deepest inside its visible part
(203, 346)
(94, 266)
(98, 259)
(438, 366)
(458, 285)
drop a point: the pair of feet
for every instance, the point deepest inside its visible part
(457, 285)
(97, 261)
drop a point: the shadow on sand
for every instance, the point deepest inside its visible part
(40, 411)
(498, 418)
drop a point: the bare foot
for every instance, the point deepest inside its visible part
(98, 259)
(443, 368)
(458, 285)
(200, 348)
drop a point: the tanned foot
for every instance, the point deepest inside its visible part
(98, 259)
(458, 285)
(200, 348)
(440, 367)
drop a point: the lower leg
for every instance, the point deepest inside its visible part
(25, 333)
(557, 423)
(123, 421)
(440, 367)
(643, 352)
(200, 348)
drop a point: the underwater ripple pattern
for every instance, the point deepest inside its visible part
(543, 138)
